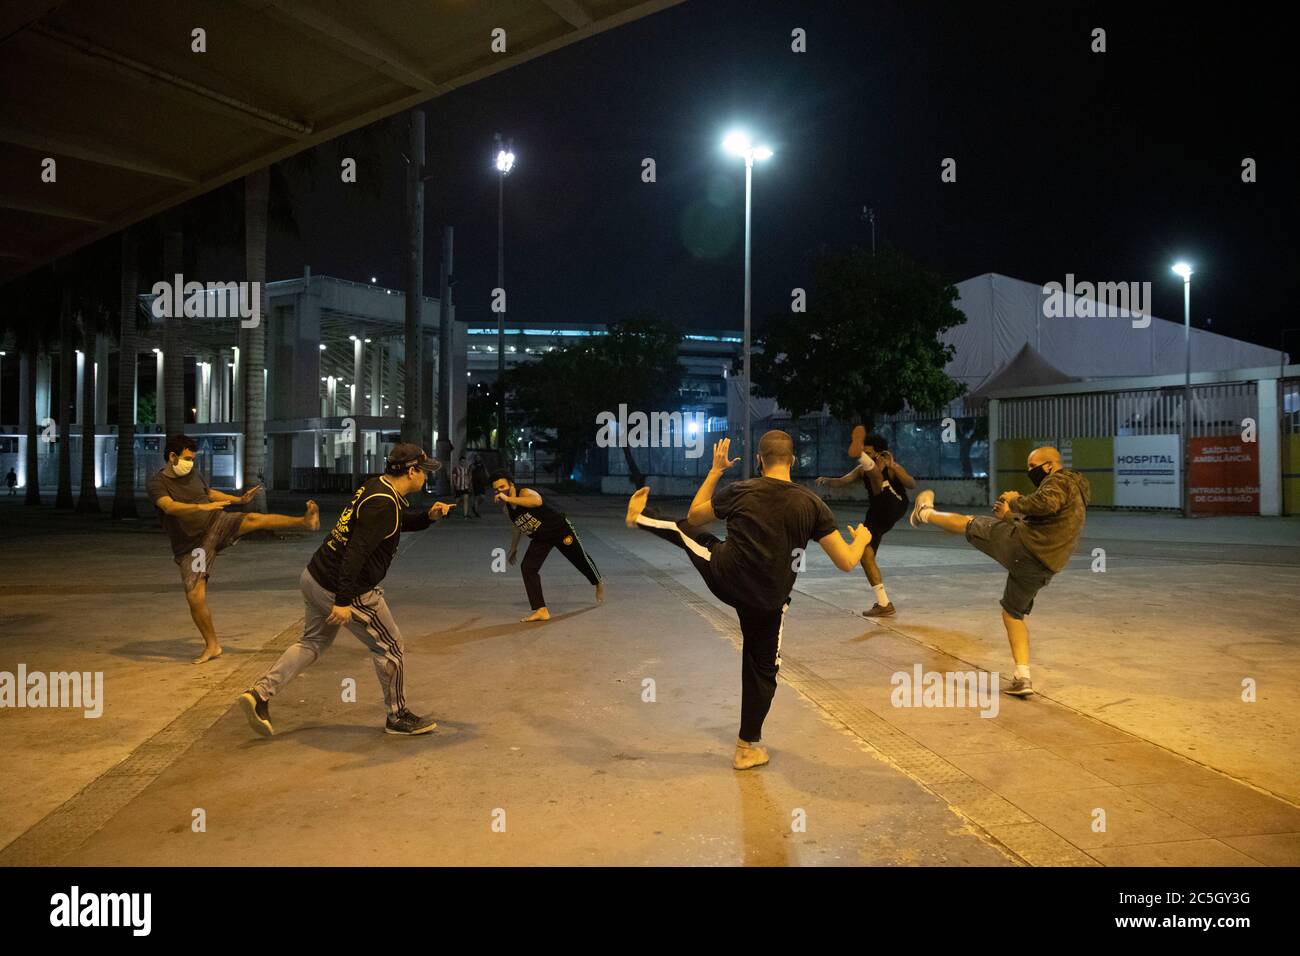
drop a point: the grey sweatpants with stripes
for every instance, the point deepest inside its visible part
(372, 624)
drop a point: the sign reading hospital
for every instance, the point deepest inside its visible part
(1146, 471)
(1224, 476)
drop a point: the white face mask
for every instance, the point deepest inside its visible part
(183, 466)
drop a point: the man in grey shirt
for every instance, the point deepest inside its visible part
(192, 513)
(1032, 536)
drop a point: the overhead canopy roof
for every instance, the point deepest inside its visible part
(138, 123)
(1026, 368)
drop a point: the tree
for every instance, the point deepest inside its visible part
(256, 193)
(31, 313)
(96, 277)
(567, 388)
(128, 318)
(172, 387)
(868, 346)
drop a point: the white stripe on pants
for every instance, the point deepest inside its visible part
(372, 624)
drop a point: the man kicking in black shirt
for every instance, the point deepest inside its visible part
(886, 482)
(546, 529)
(770, 520)
(340, 588)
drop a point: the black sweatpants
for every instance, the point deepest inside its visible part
(539, 548)
(760, 628)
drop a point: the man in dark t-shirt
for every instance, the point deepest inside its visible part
(886, 482)
(770, 521)
(546, 528)
(198, 528)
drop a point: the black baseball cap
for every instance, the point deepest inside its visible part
(408, 454)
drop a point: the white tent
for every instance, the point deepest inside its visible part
(1005, 314)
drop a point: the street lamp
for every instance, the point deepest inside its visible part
(505, 162)
(1185, 270)
(738, 144)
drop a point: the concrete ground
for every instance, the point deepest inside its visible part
(1140, 750)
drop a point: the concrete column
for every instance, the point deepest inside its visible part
(376, 376)
(158, 387)
(101, 379)
(80, 381)
(1269, 422)
(236, 389)
(459, 381)
(358, 374)
(44, 371)
(202, 379)
(995, 430)
(304, 361)
(24, 377)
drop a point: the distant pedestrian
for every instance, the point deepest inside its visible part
(462, 485)
(11, 481)
(479, 477)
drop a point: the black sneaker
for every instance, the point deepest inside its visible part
(409, 725)
(257, 712)
(1020, 687)
(878, 611)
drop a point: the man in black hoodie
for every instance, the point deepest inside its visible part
(341, 588)
(1031, 536)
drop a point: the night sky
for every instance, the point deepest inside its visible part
(1109, 166)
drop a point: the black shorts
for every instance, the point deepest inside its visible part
(1026, 575)
(880, 519)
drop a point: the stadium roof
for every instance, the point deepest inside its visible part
(138, 122)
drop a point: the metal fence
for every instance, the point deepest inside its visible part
(821, 448)
(1216, 410)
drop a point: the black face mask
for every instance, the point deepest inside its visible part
(1036, 475)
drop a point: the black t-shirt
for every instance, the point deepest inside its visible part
(541, 522)
(767, 519)
(890, 500)
(185, 531)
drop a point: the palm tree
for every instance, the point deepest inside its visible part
(98, 263)
(124, 490)
(173, 384)
(32, 305)
(256, 192)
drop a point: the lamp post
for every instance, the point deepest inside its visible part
(505, 162)
(738, 144)
(1185, 270)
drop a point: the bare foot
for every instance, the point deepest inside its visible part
(748, 756)
(541, 614)
(209, 654)
(600, 593)
(311, 518)
(636, 505)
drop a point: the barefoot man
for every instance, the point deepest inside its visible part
(770, 520)
(1031, 536)
(199, 528)
(546, 529)
(886, 482)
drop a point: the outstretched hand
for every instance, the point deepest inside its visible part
(721, 451)
(247, 496)
(439, 510)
